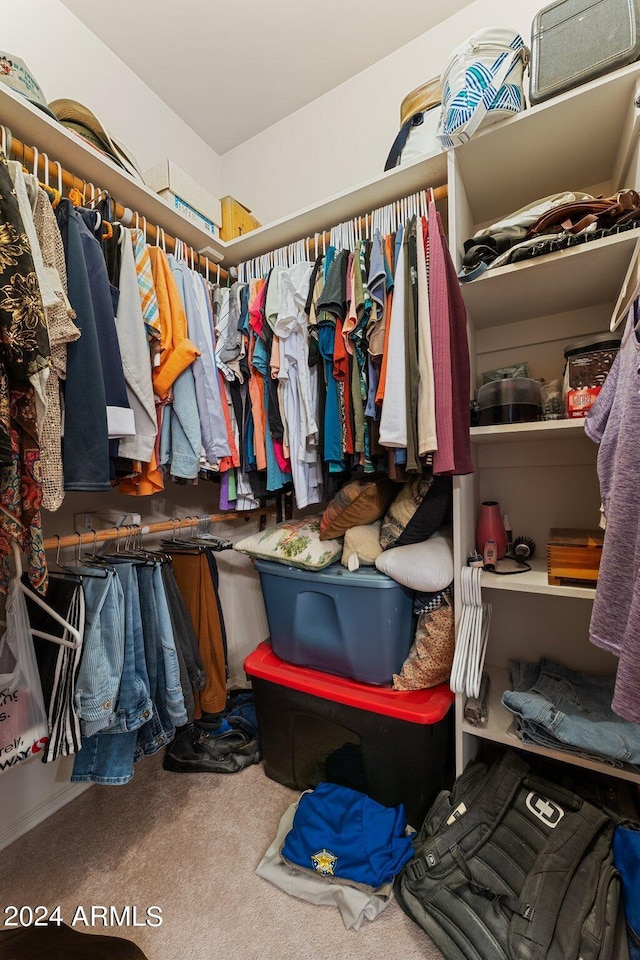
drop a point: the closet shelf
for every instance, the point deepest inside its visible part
(535, 581)
(543, 430)
(571, 279)
(578, 139)
(430, 171)
(500, 728)
(33, 126)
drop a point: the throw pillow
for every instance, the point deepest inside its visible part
(421, 508)
(431, 656)
(361, 546)
(427, 567)
(296, 542)
(358, 502)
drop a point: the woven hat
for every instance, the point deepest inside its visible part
(15, 74)
(84, 123)
(421, 99)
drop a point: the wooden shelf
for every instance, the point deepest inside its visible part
(430, 171)
(578, 139)
(500, 728)
(583, 276)
(543, 430)
(535, 581)
(35, 128)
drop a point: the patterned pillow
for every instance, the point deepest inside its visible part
(357, 504)
(295, 542)
(421, 508)
(431, 657)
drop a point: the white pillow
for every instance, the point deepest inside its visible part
(425, 566)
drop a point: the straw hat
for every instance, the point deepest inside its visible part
(82, 121)
(420, 100)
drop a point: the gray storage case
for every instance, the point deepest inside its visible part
(573, 41)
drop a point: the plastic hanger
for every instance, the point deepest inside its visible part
(28, 592)
(629, 290)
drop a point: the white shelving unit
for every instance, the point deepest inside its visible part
(544, 430)
(542, 474)
(500, 728)
(33, 127)
(534, 581)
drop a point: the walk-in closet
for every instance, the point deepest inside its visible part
(319, 523)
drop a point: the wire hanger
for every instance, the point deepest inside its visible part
(28, 592)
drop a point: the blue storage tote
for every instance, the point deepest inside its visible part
(355, 624)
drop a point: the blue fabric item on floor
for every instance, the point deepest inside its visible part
(626, 854)
(345, 835)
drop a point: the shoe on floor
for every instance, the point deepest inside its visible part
(198, 751)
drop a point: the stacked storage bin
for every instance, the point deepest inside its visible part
(323, 693)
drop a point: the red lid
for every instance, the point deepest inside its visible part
(416, 706)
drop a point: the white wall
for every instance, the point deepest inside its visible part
(68, 60)
(343, 137)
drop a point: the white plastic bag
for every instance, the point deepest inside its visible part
(23, 719)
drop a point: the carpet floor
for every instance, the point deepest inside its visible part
(189, 844)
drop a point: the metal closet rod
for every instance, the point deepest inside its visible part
(25, 153)
(145, 529)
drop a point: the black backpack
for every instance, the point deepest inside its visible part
(509, 866)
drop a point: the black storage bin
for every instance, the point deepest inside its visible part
(307, 719)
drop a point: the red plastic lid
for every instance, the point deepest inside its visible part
(416, 706)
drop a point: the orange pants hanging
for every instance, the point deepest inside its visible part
(193, 576)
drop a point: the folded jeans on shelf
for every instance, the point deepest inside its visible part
(559, 706)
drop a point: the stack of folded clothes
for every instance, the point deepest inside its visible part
(223, 743)
(559, 708)
(337, 846)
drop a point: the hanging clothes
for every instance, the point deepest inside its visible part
(85, 448)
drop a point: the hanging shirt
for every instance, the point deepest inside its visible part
(85, 443)
(427, 437)
(120, 417)
(62, 331)
(178, 352)
(135, 359)
(393, 419)
(612, 422)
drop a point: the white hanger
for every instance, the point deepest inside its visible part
(4, 139)
(36, 157)
(629, 290)
(77, 642)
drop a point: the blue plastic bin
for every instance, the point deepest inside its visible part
(358, 625)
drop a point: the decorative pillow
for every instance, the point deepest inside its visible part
(361, 546)
(358, 502)
(430, 659)
(421, 507)
(296, 542)
(427, 567)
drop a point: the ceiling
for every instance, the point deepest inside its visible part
(232, 69)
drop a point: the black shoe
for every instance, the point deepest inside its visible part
(196, 751)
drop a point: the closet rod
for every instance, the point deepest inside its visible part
(26, 154)
(439, 193)
(321, 240)
(146, 529)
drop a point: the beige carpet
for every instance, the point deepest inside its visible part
(190, 843)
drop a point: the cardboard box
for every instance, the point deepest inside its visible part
(181, 206)
(167, 176)
(236, 219)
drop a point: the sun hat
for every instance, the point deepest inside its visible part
(82, 121)
(15, 74)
